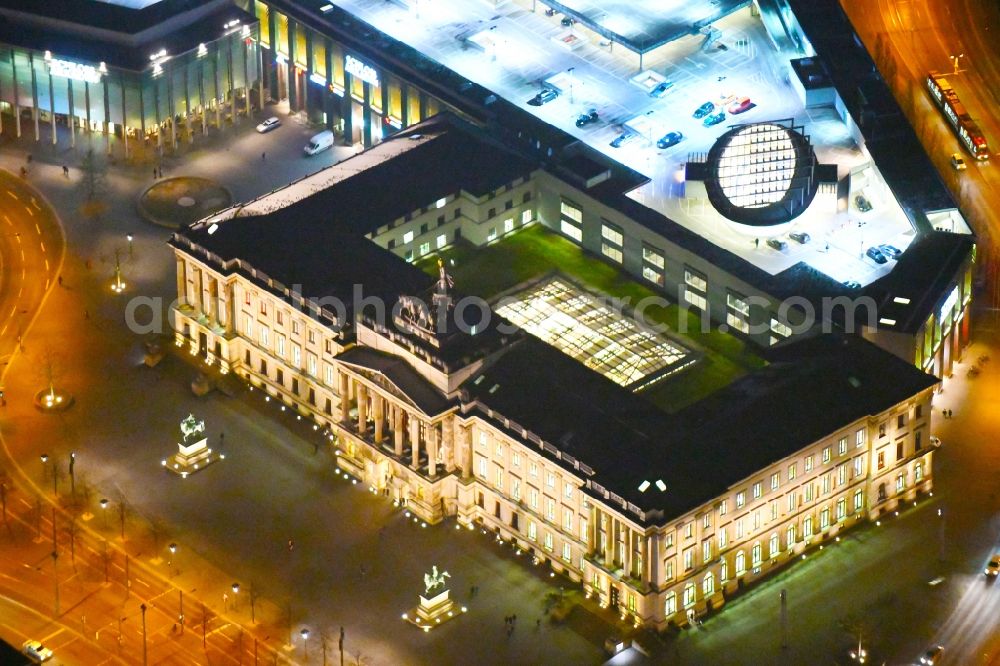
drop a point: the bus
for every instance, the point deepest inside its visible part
(963, 124)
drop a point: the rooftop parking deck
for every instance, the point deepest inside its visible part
(517, 53)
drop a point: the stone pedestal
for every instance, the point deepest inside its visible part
(434, 611)
(191, 458)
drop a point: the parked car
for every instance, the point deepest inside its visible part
(862, 203)
(36, 651)
(669, 139)
(714, 119)
(958, 162)
(740, 105)
(626, 137)
(851, 284)
(661, 89)
(800, 236)
(876, 255)
(704, 110)
(543, 97)
(587, 118)
(269, 124)
(319, 143)
(777, 244)
(933, 656)
(726, 98)
(890, 251)
(993, 566)
(567, 21)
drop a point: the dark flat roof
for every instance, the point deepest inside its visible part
(811, 388)
(95, 43)
(456, 158)
(105, 15)
(643, 25)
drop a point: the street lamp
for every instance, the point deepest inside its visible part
(236, 591)
(305, 644)
(954, 62)
(129, 238)
(118, 286)
(170, 560)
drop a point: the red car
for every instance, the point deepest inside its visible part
(740, 105)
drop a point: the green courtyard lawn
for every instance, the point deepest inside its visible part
(533, 252)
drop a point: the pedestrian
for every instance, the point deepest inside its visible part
(29, 158)
(756, 243)
(24, 172)
(65, 170)
(222, 437)
(291, 545)
(827, 247)
(538, 624)
(60, 280)
(154, 173)
(263, 156)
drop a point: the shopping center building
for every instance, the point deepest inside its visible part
(150, 72)
(449, 410)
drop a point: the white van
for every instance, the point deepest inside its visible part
(319, 143)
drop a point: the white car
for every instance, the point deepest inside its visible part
(993, 566)
(268, 124)
(36, 651)
(957, 162)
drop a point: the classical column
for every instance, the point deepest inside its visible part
(432, 449)
(181, 282)
(362, 409)
(378, 410)
(229, 308)
(213, 301)
(345, 399)
(627, 540)
(397, 430)
(200, 286)
(609, 540)
(592, 527)
(414, 442)
(448, 437)
(465, 454)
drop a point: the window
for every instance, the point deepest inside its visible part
(611, 252)
(329, 346)
(584, 534)
(756, 554)
(515, 459)
(807, 527)
(653, 256)
(612, 233)
(775, 480)
(741, 499)
(526, 197)
(670, 604)
(668, 570)
(695, 280)
(279, 318)
(881, 430)
(841, 508)
(457, 214)
(741, 563)
(498, 481)
(859, 500)
(842, 446)
(826, 455)
(568, 490)
(567, 520)
(312, 364)
(899, 450)
(264, 336)
(532, 530)
(246, 297)
(791, 471)
(550, 480)
(737, 312)
(918, 472)
(548, 541)
(694, 291)
(441, 241)
(859, 466)
(329, 375)
(881, 459)
(706, 551)
(525, 217)
(842, 474)
(809, 463)
(424, 249)
(809, 492)
(295, 327)
(408, 237)
(826, 484)
(689, 595)
(780, 329)
(533, 498)
(708, 584)
(900, 482)
(919, 411)
(312, 336)
(508, 225)
(791, 502)
(824, 519)
(901, 421)
(722, 538)
(722, 507)
(756, 490)
(499, 449)
(859, 437)
(248, 326)
(482, 467)
(571, 230)
(790, 536)
(706, 521)
(689, 559)
(739, 529)
(570, 212)
(515, 489)
(492, 213)
(774, 509)
(567, 553)
(296, 356)
(917, 436)
(724, 571)
(263, 307)
(756, 520)
(774, 547)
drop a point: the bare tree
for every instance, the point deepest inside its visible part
(51, 367)
(123, 510)
(106, 557)
(73, 531)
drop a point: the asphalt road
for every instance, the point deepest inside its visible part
(908, 39)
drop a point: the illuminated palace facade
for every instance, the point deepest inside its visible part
(152, 74)
(660, 516)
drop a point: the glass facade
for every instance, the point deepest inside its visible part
(174, 99)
